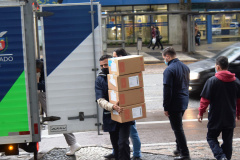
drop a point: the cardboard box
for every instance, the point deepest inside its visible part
(126, 65)
(130, 113)
(126, 82)
(127, 98)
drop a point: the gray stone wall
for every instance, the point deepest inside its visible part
(174, 23)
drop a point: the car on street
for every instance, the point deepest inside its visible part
(201, 71)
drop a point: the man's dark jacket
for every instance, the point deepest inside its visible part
(222, 90)
(101, 91)
(176, 83)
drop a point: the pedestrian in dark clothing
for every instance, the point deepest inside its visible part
(197, 38)
(153, 35)
(119, 132)
(41, 86)
(175, 98)
(158, 39)
(222, 92)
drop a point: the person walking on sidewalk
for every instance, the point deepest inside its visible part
(133, 129)
(153, 35)
(175, 98)
(69, 137)
(158, 39)
(222, 92)
(119, 132)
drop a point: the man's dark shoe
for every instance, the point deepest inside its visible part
(182, 158)
(136, 158)
(109, 156)
(176, 153)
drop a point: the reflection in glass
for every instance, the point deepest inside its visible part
(225, 25)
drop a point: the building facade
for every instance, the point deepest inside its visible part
(213, 28)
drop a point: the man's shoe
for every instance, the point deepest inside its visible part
(182, 158)
(73, 148)
(176, 153)
(136, 158)
(109, 156)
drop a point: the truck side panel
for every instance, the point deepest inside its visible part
(14, 107)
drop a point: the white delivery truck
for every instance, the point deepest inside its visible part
(72, 45)
(19, 119)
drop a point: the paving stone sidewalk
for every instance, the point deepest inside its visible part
(198, 151)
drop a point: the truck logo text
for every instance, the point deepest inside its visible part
(3, 41)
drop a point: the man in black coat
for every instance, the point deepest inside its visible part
(175, 98)
(222, 92)
(119, 132)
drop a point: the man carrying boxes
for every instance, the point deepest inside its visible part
(128, 90)
(119, 132)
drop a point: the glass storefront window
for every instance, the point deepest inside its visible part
(201, 22)
(159, 8)
(128, 21)
(141, 8)
(124, 9)
(142, 28)
(225, 26)
(106, 10)
(138, 25)
(114, 28)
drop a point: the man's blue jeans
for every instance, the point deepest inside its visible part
(135, 141)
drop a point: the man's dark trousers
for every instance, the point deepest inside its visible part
(226, 148)
(120, 141)
(175, 118)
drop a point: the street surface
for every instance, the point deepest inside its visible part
(154, 131)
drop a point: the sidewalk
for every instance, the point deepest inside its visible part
(154, 56)
(198, 150)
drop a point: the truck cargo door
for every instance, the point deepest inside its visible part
(69, 66)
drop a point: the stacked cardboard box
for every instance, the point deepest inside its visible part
(125, 84)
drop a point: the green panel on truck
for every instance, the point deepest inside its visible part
(13, 109)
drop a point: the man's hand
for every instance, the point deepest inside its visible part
(199, 118)
(166, 113)
(117, 108)
(237, 118)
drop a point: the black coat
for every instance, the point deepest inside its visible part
(101, 91)
(176, 83)
(223, 101)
